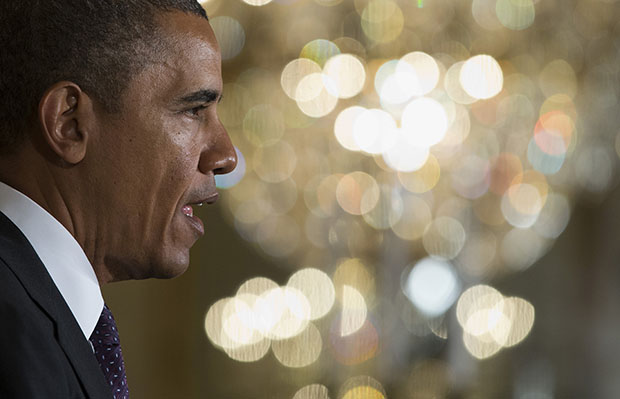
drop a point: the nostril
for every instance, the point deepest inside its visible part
(227, 165)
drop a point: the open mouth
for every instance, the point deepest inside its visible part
(188, 210)
(194, 220)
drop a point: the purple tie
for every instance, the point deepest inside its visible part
(108, 352)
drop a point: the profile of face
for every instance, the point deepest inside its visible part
(156, 159)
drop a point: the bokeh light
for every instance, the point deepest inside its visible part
(481, 76)
(347, 74)
(230, 36)
(446, 143)
(314, 391)
(491, 322)
(432, 286)
(317, 288)
(425, 122)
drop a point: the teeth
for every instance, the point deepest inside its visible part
(199, 204)
(188, 210)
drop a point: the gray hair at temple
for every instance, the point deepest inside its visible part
(98, 44)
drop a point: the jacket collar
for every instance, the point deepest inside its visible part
(24, 262)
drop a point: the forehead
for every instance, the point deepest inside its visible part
(188, 60)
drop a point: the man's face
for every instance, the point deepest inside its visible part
(157, 158)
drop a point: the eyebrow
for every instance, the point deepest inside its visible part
(201, 96)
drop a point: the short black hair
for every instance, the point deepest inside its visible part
(97, 44)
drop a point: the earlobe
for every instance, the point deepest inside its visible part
(63, 121)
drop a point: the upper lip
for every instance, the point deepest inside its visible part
(209, 199)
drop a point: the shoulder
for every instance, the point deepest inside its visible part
(33, 363)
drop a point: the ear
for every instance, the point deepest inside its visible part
(64, 113)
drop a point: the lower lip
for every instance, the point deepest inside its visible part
(196, 223)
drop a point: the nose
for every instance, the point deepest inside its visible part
(220, 157)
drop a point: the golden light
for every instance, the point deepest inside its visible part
(504, 168)
(293, 73)
(326, 195)
(263, 125)
(354, 311)
(365, 392)
(355, 348)
(282, 313)
(213, 322)
(558, 77)
(426, 72)
(343, 127)
(484, 13)
(481, 77)
(314, 391)
(317, 287)
(554, 217)
(235, 105)
(257, 286)
(524, 199)
(319, 51)
(444, 237)
(491, 322)
(422, 129)
(474, 299)
(275, 163)
(481, 347)
(512, 248)
(328, 3)
(313, 97)
(453, 86)
(522, 314)
(347, 74)
(521, 205)
(459, 130)
(310, 87)
(239, 320)
(553, 132)
(416, 216)
(404, 157)
(257, 2)
(301, 350)
(362, 387)
(425, 122)
(249, 353)
(374, 131)
(382, 20)
(476, 257)
(423, 179)
(387, 211)
(516, 14)
(471, 177)
(353, 272)
(230, 36)
(357, 193)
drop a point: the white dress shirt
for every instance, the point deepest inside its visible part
(61, 254)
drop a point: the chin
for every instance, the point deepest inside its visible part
(170, 267)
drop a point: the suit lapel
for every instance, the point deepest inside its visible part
(19, 255)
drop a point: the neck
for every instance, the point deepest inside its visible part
(57, 190)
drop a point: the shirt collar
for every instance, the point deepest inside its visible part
(61, 254)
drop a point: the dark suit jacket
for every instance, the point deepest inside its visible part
(43, 352)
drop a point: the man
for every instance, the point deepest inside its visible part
(108, 137)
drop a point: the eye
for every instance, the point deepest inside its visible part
(195, 112)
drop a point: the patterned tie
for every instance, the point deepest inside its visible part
(108, 352)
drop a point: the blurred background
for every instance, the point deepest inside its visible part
(426, 206)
